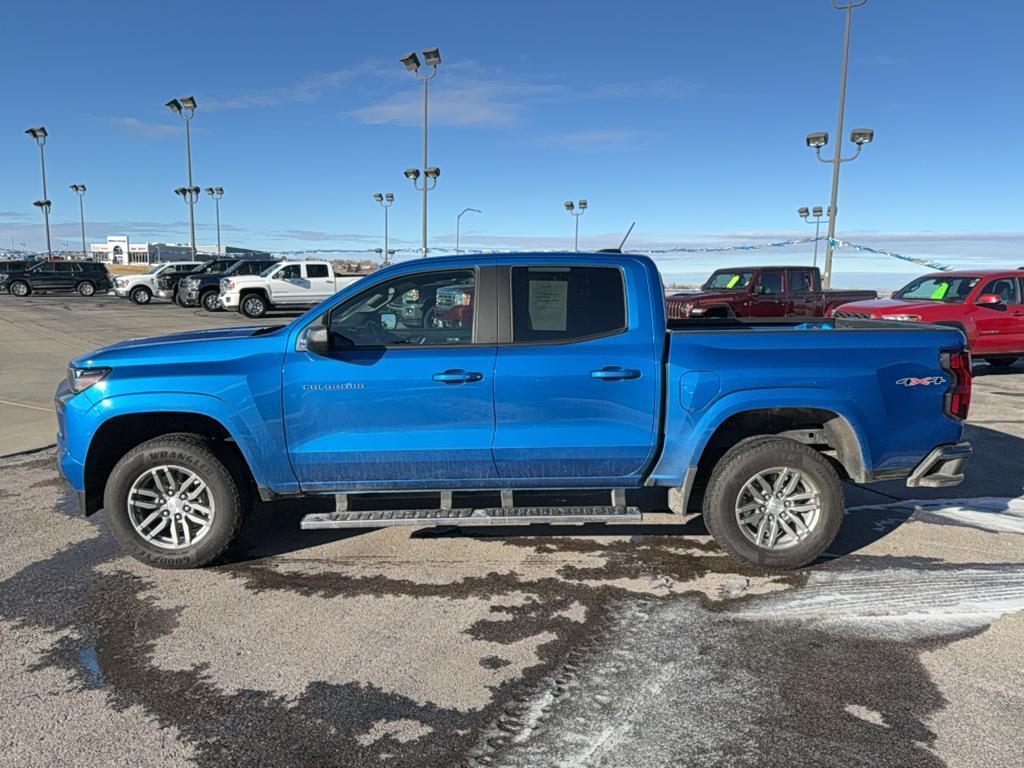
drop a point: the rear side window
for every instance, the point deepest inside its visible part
(800, 281)
(566, 303)
(316, 270)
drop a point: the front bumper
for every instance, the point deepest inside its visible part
(229, 300)
(941, 468)
(164, 293)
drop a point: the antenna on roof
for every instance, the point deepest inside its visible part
(623, 243)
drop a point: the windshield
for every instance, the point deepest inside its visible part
(949, 290)
(727, 279)
(155, 268)
(266, 272)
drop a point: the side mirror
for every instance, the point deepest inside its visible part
(315, 339)
(989, 300)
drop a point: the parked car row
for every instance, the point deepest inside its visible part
(987, 305)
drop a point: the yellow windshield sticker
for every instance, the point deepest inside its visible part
(940, 292)
(732, 281)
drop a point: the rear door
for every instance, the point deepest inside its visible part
(803, 300)
(769, 298)
(321, 282)
(999, 325)
(576, 383)
(393, 405)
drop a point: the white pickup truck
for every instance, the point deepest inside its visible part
(140, 288)
(285, 285)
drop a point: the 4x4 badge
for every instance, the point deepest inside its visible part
(927, 381)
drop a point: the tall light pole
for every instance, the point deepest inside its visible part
(576, 212)
(858, 136)
(216, 193)
(79, 189)
(386, 201)
(458, 224)
(817, 213)
(190, 195)
(39, 134)
(185, 108)
(431, 57)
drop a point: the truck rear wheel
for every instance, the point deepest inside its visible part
(172, 502)
(774, 502)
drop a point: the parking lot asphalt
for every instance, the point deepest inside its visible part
(619, 645)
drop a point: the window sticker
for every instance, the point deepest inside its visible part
(549, 305)
(732, 281)
(940, 292)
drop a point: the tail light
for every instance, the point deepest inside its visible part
(958, 398)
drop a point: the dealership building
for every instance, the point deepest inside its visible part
(118, 249)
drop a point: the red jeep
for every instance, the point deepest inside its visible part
(986, 304)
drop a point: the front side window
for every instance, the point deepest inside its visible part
(291, 272)
(770, 283)
(1003, 287)
(726, 280)
(316, 270)
(566, 303)
(45, 268)
(384, 315)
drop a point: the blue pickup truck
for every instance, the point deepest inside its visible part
(559, 372)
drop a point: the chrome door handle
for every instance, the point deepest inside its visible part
(457, 376)
(615, 373)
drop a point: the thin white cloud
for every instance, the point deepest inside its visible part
(143, 129)
(308, 90)
(600, 138)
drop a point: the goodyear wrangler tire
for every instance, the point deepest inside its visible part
(774, 502)
(173, 503)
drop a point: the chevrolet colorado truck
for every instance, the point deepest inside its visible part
(141, 288)
(986, 304)
(564, 376)
(762, 292)
(284, 285)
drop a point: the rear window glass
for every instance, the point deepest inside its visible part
(316, 270)
(566, 303)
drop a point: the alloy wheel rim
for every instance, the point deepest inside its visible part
(86, 289)
(19, 289)
(778, 508)
(210, 301)
(253, 305)
(170, 506)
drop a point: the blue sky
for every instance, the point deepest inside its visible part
(687, 117)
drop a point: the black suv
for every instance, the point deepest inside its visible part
(167, 282)
(204, 290)
(84, 277)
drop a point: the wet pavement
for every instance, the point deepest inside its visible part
(619, 645)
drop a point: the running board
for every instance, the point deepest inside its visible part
(446, 514)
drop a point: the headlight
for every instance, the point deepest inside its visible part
(81, 379)
(906, 318)
(687, 308)
(227, 285)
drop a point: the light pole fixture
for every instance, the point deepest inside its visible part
(185, 108)
(39, 134)
(190, 195)
(431, 58)
(458, 224)
(216, 193)
(385, 201)
(79, 189)
(859, 136)
(817, 213)
(576, 210)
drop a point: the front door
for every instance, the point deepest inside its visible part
(394, 405)
(288, 286)
(769, 298)
(577, 385)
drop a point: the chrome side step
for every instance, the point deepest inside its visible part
(446, 514)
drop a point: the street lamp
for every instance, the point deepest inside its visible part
(817, 213)
(576, 213)
(458, 224)
(432, 58)
(189, 195)
(216, 193)
(386, 201)
(859, 136)
(79, 189)
(39, 134)
(185, 108)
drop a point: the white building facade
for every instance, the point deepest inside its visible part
(120, 250)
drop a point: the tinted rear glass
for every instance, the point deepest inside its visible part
(566, 303)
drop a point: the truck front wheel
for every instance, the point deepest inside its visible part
(254, 305)
(172, 502)
(774, 502)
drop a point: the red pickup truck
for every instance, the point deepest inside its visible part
(986, 304)
(762, 292)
